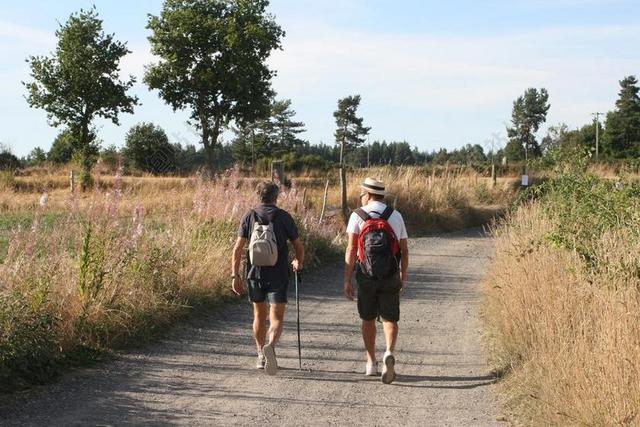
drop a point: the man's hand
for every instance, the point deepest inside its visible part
(237, 286)
(403, 281)
(296, 265)
(348, 291)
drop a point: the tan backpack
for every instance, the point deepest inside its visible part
(263, 246)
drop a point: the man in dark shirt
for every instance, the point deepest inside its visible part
(267, 283)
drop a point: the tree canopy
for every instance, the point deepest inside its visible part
(212, 61)
(147, 148)
(622, 134)
(81, 80)
(529, 112)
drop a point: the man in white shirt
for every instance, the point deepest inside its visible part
(377, 297)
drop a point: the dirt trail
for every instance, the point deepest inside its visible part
(202, 373)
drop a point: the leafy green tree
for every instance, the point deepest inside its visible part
(111, 158)
(241, 146)
(80, 81)
(8, 160)
(213, 61)
(441, 156)
(37, 156)
(62, 148)
(350, 133)
(529, 112)
(622, 128)
(147, 148)
(188, 159)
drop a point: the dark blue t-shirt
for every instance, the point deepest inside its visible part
(284, 228)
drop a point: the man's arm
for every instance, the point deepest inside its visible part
(404, 261)
(298, 261)
(349, 264)
(237, 285)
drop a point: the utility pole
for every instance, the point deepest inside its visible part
(597, 116)
(368, 148)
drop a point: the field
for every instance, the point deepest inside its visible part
(85, 273)
(562, 303)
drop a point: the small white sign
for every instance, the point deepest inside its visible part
(525, 180)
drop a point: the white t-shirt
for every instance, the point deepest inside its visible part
(375, 209)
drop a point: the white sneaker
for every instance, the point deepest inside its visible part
(371, 370)
(271, 364)
(261, 361)
(388, 368)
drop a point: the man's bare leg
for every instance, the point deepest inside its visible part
(390, 334)
(276, 322)
(369, 338)
(260, 314)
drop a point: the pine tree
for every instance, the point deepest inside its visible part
(350, 133)
(622, 128)
(529, 112)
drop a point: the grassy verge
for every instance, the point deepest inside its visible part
(104, 273)
(562, 304)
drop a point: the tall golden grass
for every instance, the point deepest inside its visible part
(562, 307)
(96, 271)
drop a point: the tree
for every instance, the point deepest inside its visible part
(529, 112)
(622, 128)
(111, 158)
(36, 157)
(284, 129)
(350, 133)
(212, 61)
(80, 81)
(272, 137)
(66, 143)
(147, 148)
(8, 160)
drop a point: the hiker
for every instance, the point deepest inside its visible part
(267, 229)
(377, 249)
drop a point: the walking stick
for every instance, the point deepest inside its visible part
(298, 310)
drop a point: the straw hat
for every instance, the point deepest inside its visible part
(373, 186)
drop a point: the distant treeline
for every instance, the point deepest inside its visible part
(166, 158)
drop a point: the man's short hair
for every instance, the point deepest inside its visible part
(376, 197)
(267, 192)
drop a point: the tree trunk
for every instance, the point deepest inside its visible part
(209, 140)
(85, 158)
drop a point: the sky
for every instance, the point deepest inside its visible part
(433, 73)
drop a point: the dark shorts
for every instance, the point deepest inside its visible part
(380, 297)
(275, 292)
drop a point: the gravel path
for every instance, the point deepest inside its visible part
(202, 373)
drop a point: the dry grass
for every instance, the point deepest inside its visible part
(562, 306)
(450, 201)
(108, 268)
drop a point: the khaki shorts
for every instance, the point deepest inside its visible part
(379, 297)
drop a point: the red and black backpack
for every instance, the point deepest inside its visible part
(378, 248)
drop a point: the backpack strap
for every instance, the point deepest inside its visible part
(256, 217)
(362, 214)
(387, 213)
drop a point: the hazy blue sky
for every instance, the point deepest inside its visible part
(434, 73)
